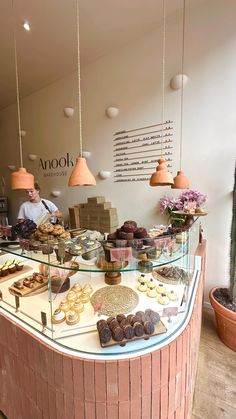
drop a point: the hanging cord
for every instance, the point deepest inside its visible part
(182, 89)
(163, 72)
(79, 79)
(17, 88)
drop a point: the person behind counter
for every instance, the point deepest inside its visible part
(36, 207)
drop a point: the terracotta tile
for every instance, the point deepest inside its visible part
(112, 410)
(78, 378)
(58, 370)
(124, 410)
(156, 370)
(60, 405)
(164, 366)
(171, 399)
(135, 409)
(67, 375)
(112, 382)
(69, 406)
(89, 380)
(90, 410)
(146, 406)
(52, 402)
(79, 409)
(164, 402)
(101, 411)
(146, 375)
(123, 380)
(100, 382)
(135, 378)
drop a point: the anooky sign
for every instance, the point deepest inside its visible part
(62, 162)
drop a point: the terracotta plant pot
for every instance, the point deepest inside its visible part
(226, 322)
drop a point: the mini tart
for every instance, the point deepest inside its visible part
(77, 288)
(151, 284)
(163, 299)
(58, 316)
(64, 305)
(142, 287)
(152, 293)
(142, 279)
(160, 289)
(172, 296)
(12, 268)
(87, 289)
(72, 317)
(71, 297)
(85, 297)
(78, 306)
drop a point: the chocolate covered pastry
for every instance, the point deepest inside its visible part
(140, 233)
(114, 323)
(105, 335)
(117, 334)
(141, 316)
(128, 331)
(149, 328)
(124, 322)
(138, 329)
(101, 324)
(120, 317)
(133, 320)
(109, 320)
(18, 285)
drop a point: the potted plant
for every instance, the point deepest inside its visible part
(223, 300)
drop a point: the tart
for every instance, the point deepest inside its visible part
(65, 305)
(151, 284)
(163, 299)
(72, 317)
(161, 289)
(152, 293)
(78, 306)
(142, 278)
(142, 287)
(58, 316)
(172, 296)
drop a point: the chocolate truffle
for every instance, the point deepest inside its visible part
(109, 320)
(154, 317)
(129, 317)
(138, 329)
(117, 333)
(124, 322)
(141, 316)
(128, 331)
(105, 335)
(133, 320)
(114, 323)
(101, 324)
(120, 317)
(149, 328)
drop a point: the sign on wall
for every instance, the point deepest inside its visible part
(136, 151)
(56, 166)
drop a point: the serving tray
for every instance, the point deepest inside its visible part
(26, 268)
(25, 291)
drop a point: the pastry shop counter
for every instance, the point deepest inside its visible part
(42, 378)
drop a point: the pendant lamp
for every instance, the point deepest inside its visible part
(81, 174)
(161, 177)
(20, 179)
(180, 180)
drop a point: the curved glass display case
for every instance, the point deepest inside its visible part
(62, 291)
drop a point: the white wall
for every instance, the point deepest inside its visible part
(131, 79)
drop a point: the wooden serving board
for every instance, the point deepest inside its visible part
(159, 328)
(25, 291)
(25, 269)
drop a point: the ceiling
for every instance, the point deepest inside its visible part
(49, 51)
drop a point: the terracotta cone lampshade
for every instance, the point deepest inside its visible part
(161, 177)
(81, 175)
(22, 179)
(180, 181)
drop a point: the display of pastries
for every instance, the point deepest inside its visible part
(72, 317)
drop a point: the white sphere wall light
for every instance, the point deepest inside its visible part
(55, 193)
(104, 174)
(112, 112)
(69, 112)
(176, 81)
(11, 167)
(22, 133)
(86, 154)
(32, 157)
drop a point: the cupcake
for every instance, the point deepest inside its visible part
(19, 266)
(12, 268)
(58, 316)
(65, 305)
(78, 306)
(72, 317)
(71, 297)
(77, 288)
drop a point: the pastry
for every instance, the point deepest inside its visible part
(142, 278)
(12, 268)
(57, 230)
(71, 297)
(141, 316)
(46, 228)
(152, 293)
(114, 323)
(77, 288)
(124, 322)
(120, 317)
(151, 284)
(78, 306)
(65, 305)
(172, 296)
(84, 298)
(117, 333)
(161, 289)
(105, 335)
(101, 324)
(129, 226)
(138, 329)
(109, 320)
(87, 289)
(149, 328)
(129, 317)
(72, 317)
(19, 266)
(128, 331)
(4, 271)
(18, 285)
(134, 319)
(154, 317)
(140, 233)
(163, 299)
(58, 316)
(142, 287)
